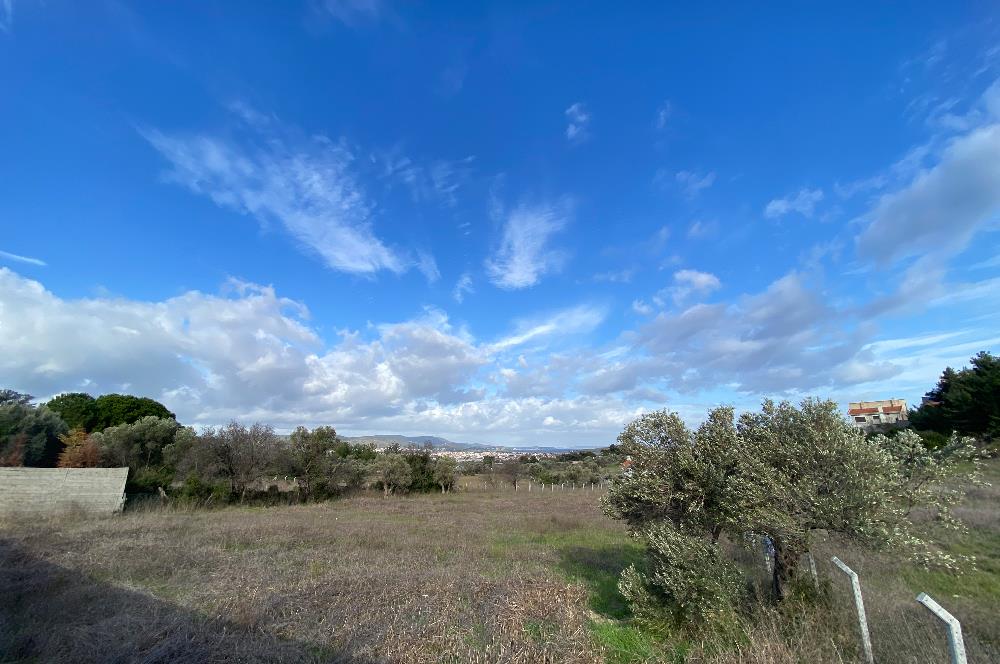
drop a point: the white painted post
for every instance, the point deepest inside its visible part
(956, 645)
(812, 569)
(860, 605)
(529, 485)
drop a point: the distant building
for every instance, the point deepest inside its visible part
(878, 414)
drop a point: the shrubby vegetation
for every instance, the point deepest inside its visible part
(784, 473)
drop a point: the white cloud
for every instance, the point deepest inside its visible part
(462, 288)
(702, 229)
(6, 15)
(689, 283)
(693, 183)
(804, 203)
(576, 320)
(942, 207)
(250, 354)
(354, 12)
(523, 256)
(438, 179)
(641, 308)
(310, 188)
(784, 339)
(663, 114)
(23, 259)
(623, 276)
(579, 122)
(428, 266)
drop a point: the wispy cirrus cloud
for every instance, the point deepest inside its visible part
(432, 180)
(577, 129)
(308, 185)
(22, 259)
(353, 13)
(691, 183)
(524, 255)
(803, 202)
(462, 288)
(663, 114)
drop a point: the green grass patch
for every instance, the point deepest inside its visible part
(626, 644)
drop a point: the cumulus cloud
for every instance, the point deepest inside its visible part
(804, 203)
(578, 122)
(524, 256)
(308, 186)
(688, 283)
(22, 259)
(248, 353)
(941, 209)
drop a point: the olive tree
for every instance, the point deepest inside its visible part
(784, 473)
(391, 472)
(311, 458)
(445, 470)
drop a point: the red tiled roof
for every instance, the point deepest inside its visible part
(862, 411)
(892, 409)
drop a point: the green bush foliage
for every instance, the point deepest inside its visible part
(686, 580)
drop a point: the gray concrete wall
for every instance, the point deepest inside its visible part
(54, 490)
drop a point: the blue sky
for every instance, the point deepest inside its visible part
(517, 224)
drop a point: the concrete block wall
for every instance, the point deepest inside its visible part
(54, 490)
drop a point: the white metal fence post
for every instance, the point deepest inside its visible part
(812, 569)
(955, 642)
(860, 605)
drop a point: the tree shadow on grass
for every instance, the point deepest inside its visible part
(50, 613)
(600, 567)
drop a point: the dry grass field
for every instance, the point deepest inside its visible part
(474, 576)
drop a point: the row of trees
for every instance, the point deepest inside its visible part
(784, 474)
(33, 435)
(232, 462)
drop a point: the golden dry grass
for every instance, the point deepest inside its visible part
(480, 576)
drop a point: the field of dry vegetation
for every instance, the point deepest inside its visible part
(473, 576)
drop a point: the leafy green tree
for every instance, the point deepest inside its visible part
(78, 410)
(391, 472)
(965, 401)
(785, 472)
(239, 454)
(421, 470)
(115, 409)
(445, 472)
(312, 454)
(142, 447)
(30, 433)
